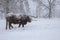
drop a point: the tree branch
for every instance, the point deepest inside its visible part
(44, 4)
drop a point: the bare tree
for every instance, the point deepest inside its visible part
(2, 8)
(50, 6)
(22, 7)
(26, 6)
(15, 6)
(7, 6)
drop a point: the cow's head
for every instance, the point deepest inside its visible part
(28, 19)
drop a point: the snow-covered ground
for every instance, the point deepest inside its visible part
(38, 29)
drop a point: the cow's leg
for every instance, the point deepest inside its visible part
(6, 24)
(22, 25)
(11, 26)
(19, 24)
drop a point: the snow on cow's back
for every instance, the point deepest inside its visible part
(18, 15)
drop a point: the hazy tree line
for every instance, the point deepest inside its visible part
(44, 8)
(48, 7)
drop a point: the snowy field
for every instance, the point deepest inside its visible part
(38, 29)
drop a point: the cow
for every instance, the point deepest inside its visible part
(22, 20)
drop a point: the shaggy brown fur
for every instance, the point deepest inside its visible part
(21, 21)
